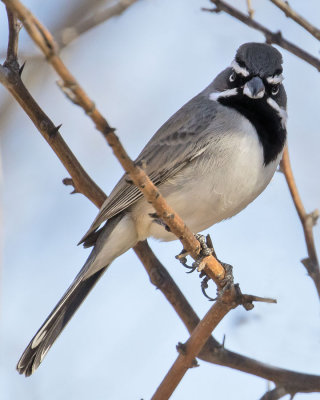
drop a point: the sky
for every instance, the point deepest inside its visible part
(139, 68)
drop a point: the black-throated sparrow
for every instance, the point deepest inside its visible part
(210, 160)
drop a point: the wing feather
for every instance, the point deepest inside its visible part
(175, 144)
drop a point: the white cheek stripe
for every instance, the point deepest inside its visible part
(282, 113)
(239, 70)
(214, 96)
(274, 80)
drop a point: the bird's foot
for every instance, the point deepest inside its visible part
(182, 257)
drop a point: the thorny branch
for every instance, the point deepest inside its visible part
(212, 351)
(271, 37)
(275, 394)
(45, 41)
(290, 13)
(68, 34)
(307, 220)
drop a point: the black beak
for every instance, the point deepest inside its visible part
(254, 88)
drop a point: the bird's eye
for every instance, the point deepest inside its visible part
(275, 90)
(232, 77)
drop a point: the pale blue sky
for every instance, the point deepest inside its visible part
(139, 69)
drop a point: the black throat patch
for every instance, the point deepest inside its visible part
(264, 118)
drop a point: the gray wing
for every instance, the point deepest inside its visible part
(181, 139)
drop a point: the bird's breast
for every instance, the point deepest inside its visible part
(218, 184)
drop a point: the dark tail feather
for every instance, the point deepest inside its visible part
(55, 323)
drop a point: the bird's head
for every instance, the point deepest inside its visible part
(254, 77)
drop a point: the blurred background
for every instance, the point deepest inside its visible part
(139, 68)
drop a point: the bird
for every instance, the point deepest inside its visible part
(210, 160)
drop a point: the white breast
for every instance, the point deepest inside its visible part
(228, 176)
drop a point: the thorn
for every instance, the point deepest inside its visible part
(55, 130)
(194, 363)
(21, 68)
(67, 181)
(314, 216)
(181, 348)
(223, 342)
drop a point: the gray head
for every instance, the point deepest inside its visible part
(256, 73)
(259, 59)
(252, 85)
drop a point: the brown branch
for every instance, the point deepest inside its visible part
(12, 49)
(195, 343)
(274, 394)
(250, 9)
(290, 13)
(212, 352)
(271, 37)
(69, 34)
(46, 43)
(307, 220)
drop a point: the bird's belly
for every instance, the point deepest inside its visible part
(215, 186)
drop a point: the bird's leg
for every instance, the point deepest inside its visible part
(206, 250)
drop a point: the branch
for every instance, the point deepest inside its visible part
(250, 9)
(212, 352)
(195, 343)
(68, 34)
(12, 49)
(271, 37)
(43, 38)
(307, 220)
(274, 394)
(290, 13)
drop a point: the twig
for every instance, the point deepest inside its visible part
(307, 220)
(290, 13)
(45, 41)
(250, 9)
(12, 49)
(68, 34)
(212, 352)
(274, 394)
(195, 343)
(271, 37)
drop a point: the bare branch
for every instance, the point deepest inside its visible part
(271, 37)
(213, 351)
(12, 49)
(307, 220)
(43, 38)
(274, 394)
(290, 13)
(250, 9)
(195, 343)
(68, 34)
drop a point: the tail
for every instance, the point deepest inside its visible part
(55, 323)
(102, 254)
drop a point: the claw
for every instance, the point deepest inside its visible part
(204, 286)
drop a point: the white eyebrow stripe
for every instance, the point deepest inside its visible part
(281, 111)
(275, 79)
(214, 96)
(238, 69)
